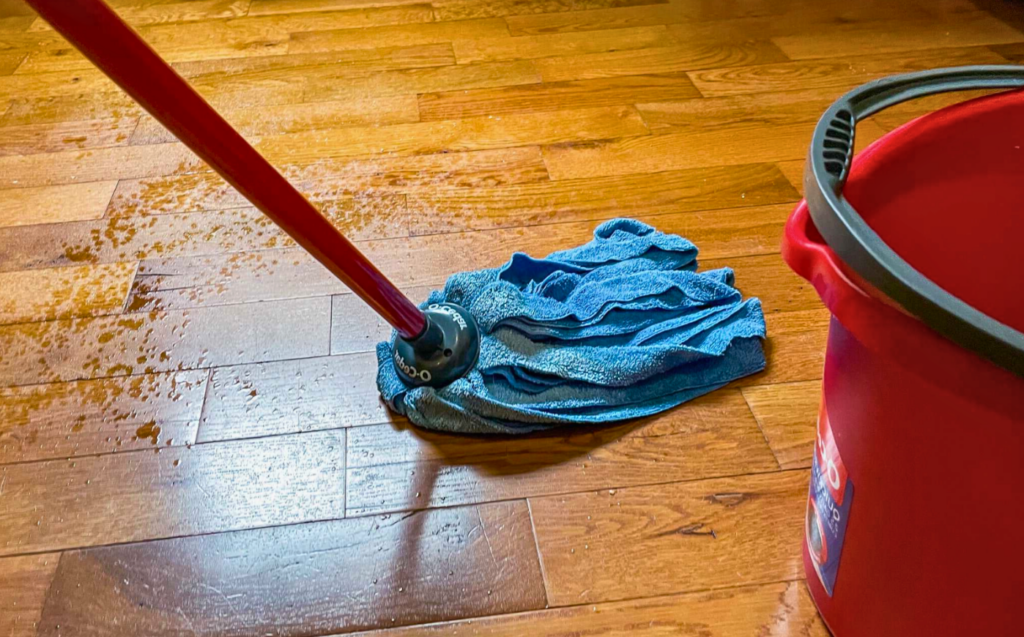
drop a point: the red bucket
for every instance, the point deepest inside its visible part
(917, 249)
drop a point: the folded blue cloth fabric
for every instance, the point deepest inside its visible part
(618, 328)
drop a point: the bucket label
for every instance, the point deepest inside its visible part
(828, 506)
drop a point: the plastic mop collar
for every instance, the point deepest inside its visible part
(618, 328)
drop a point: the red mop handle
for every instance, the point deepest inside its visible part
(100, 34)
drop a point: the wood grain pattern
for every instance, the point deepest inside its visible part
(686, 56)
(23, 585)
(400, 35)
(788, 415)
(49, 138)
(475, 133)
(65, 420)
(332, 179)
(795, 347)
(75, 349)
(614, 543)
(41, 295)
(243, 37)
(770, 279)
(595, 19)
(55, 204)
(840, 74)
(250, 401)
(175, 491)
(141, 237)
(277, 7)
(553, 96)
(397, 570)
(771, 610)
(691, 148)
(967, 29)
(356, 328)
(116, 108)
(539, 46)
(184, 282)
(396, 468)
(9, 61)
(447, 210)
(465, 9)
(140, 14)
(293, 118)
(99, 164)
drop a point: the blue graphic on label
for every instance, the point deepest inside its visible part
(828, 506)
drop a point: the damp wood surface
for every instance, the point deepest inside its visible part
(191, 438)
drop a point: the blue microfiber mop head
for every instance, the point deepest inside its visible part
(618, 328)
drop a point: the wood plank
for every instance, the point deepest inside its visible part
(98, 164)
(398, 35)
(429, 566)
(114, 107)
(52, 293)
(795, 348)
(553, 96)
(79, 349)
(689, 147)
(788, 415)
(770, 279)
(376, 76)
(55, 204)
(195, 67)
(294, 118)
(141, 237)
(357, 328)
(178, 283)
(248, 36)
(794, 172)
(28, 139)
(16, 8)
(398, 467)
(23, 585)
(140, 14)
(964, 30)
(330, 179)
(277, 7)
(425, 80)
(84, 80)
(466, 9)
(656, 540)
(355, 62)
(1012, 52)
(486, 49)
(690, 54)
(52, 504)
(269, 399)
(770, 610)
(475, 133)
(81, 418)
(447, 210)
(597, 19)
(10, 60)
(687, 56)
(839, 74)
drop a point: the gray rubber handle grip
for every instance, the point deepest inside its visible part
(860, 248)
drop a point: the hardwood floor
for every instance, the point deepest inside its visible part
(191, 441)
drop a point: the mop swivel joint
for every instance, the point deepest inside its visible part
(444, 352)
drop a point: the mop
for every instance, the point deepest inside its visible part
(621, 327)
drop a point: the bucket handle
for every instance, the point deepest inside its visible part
(860, 248)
